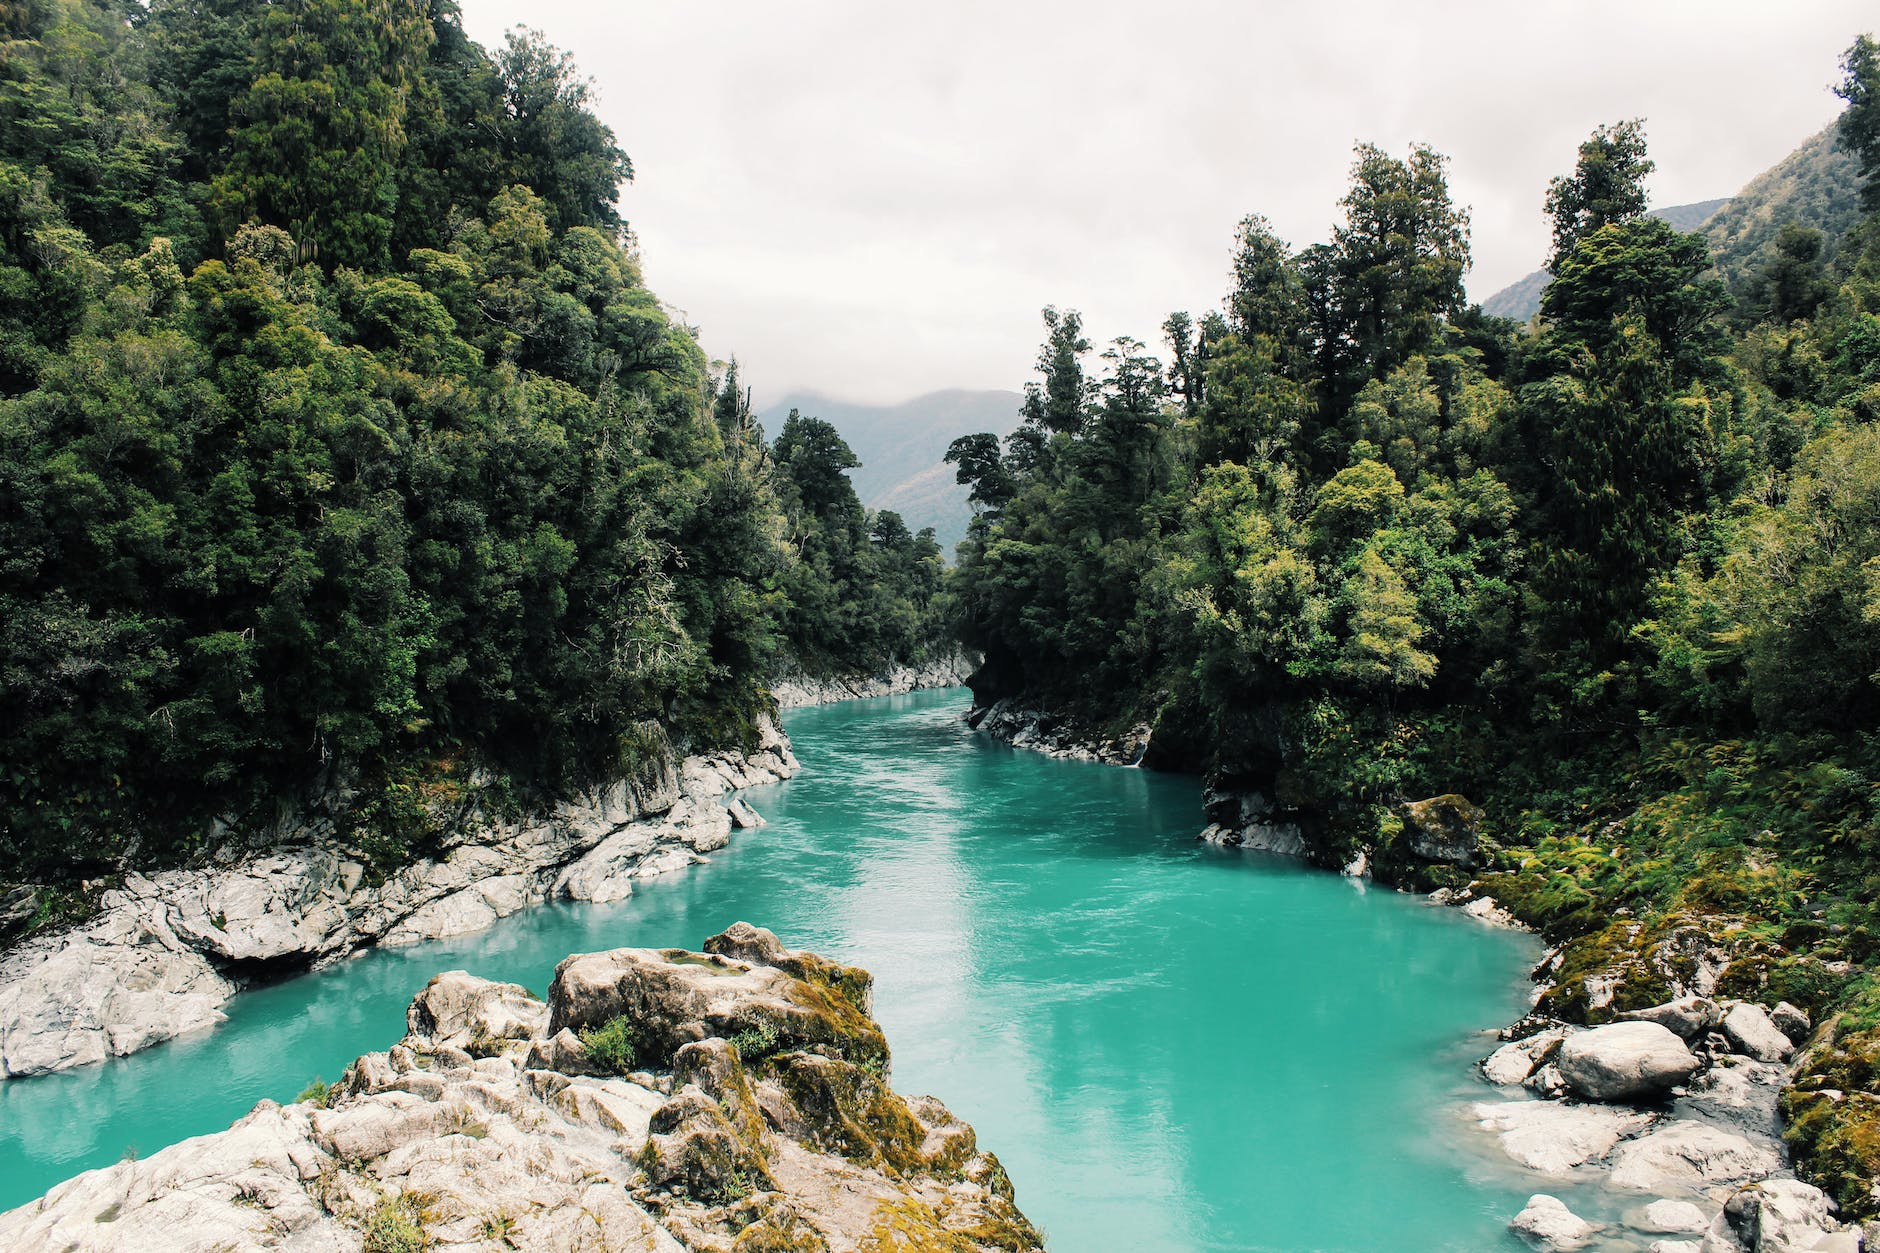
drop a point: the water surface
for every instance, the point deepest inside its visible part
(1170, 1046)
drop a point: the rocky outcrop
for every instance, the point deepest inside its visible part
(166, 952)
(1252, 821)
(1668, 1104)
(467, 1136)
(1024, 726)
(796, 690)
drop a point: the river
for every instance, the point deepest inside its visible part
(1170, 1046)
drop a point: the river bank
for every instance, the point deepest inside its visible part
(1662, 1126)
(744, 1103)
(164, 954)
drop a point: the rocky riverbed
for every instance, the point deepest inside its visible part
(164, 953)
(736, 1099)
(1672, 1111)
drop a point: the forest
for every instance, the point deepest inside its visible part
(344, 450)
(1614, 575)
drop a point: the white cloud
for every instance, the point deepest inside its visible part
(875, 200)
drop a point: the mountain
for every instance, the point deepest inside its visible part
(901, 449)
(1817, 185)
(1521, 299)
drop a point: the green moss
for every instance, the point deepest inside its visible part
(317, 1094)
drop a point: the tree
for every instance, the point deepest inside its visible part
(1398, 261)
(1793, 282)
(1859, 126)
(978, 467)
(1057, 404)
(321, 127)
(1606, 188)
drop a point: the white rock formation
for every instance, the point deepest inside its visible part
(1686, 1154)
(465, 1136)
(793, 691)
(1553, 1137)
(155, 962)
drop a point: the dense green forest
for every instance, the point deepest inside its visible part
(342, 446)
(1614, 575)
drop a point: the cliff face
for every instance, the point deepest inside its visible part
(794, 691)
(735, 1100)
(166, 952)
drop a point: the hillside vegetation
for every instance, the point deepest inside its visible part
(344, 448)
(1615, 576)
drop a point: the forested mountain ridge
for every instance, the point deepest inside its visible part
(343, 446)
(1816, 187)
(1349, 545)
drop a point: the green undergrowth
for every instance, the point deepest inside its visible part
(1764, 851)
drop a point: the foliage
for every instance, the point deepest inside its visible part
(343, 449)
(613, 1045)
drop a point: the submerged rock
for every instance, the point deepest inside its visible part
(1689, 1154)
(1625, 1061)
(1553, 1137)
(785, 1139)
(1550, 1224)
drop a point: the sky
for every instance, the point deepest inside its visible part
(874, 201)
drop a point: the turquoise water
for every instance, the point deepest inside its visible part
(1171, 1047)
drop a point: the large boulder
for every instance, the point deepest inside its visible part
(1446, 829)
(1748, 1028)
(1777, 1216)
(670, 998)
(1689, 1017)
(1688, 1154)
(458, 1009)
(1625, 1061)
(1513, 1063)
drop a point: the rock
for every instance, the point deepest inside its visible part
(158, 959)
(19, 905)
(1625, 1061)
(1549, 1223)
(1445, 829)
(1748, 1028)
(794, 691)
(1689, 1017)
(1547, 1083)
(1676, 1246)
(1673, 1216)
(459, 1009)
(1791, 1022)
(1779, 1216)
(1553, 1137)
(104, 991)
(1512, 1063)
(1689, 1154)
(672, 999)
(797, 1152)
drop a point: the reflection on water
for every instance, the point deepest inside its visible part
(1170, 1046)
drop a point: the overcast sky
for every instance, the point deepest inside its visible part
(874, 200)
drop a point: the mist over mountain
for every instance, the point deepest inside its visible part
(901, 449)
